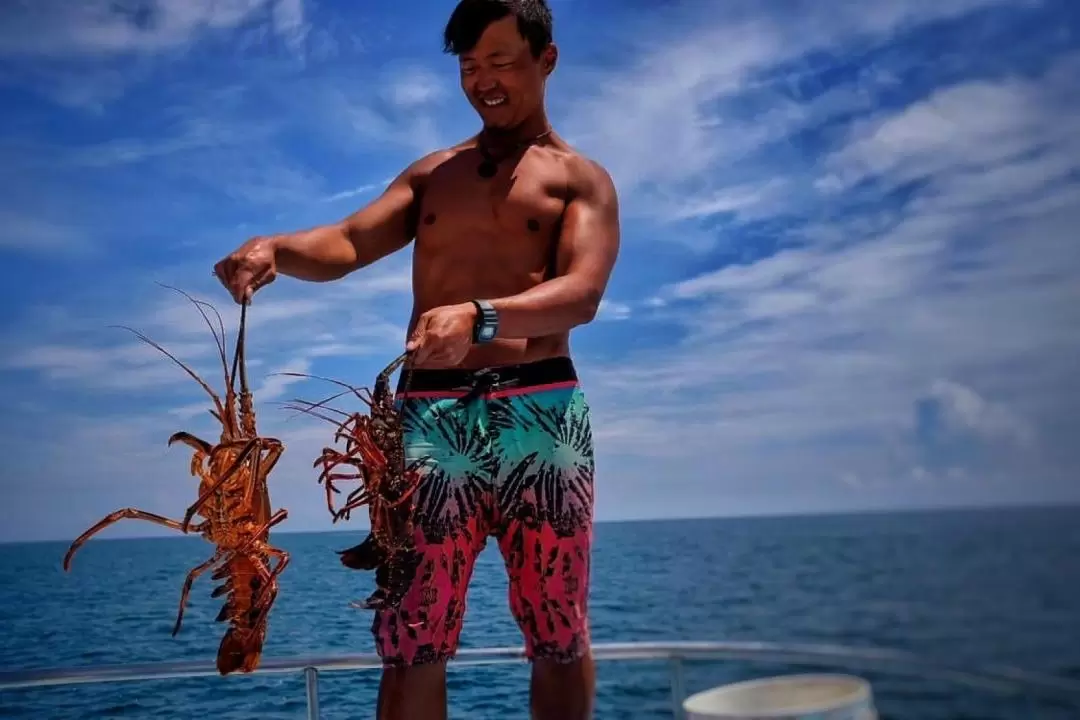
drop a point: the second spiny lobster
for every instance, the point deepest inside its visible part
(374, 455)
(234, 504)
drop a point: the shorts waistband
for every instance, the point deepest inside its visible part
(558, 371)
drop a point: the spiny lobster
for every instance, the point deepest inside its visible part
(234, 501)
(375, 453)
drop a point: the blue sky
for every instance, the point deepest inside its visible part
(849, 276)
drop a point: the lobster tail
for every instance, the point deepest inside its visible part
(248, 597)
(240, 650)
(365, 556)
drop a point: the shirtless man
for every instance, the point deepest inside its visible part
(515, 237)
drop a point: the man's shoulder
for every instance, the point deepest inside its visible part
(585, 175)
(427, 164)
(588, 176)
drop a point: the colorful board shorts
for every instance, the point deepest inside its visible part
(511, 457)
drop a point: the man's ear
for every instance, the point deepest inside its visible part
(549, 57)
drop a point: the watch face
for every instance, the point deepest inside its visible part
(487, 333)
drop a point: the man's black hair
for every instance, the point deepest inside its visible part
(471, 17)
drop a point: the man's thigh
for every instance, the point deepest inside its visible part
(449, 529)
(544, 493)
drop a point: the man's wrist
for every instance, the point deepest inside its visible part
(485, 321)
(469, 310)
(275, 243)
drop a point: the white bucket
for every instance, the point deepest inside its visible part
(791, 697)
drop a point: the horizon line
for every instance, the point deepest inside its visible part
(767, 515)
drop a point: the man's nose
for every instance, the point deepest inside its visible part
(485, 81)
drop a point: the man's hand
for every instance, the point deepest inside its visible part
(443, 335)
(248, 268)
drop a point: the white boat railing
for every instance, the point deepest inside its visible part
(1004, 680)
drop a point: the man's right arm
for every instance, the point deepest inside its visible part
(386, 225)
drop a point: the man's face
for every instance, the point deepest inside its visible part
(501, 78)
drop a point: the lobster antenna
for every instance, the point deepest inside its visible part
(301, 410)
(320, 406)
(323, 402)
(189, 371)
(219, 341)
(355, 391)
(221, 326)
(238, 357)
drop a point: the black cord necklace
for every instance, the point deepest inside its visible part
(490, 164)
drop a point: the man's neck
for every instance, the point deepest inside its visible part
(532, 127)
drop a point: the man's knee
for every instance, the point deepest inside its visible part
(417, 692)
(563, 690)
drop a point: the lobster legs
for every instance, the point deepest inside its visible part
(266, 575)
(124, 514)
(262, 467)
(251, 450)
(188, 582)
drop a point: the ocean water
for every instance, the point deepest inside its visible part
(966, 588)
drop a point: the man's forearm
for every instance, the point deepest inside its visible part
(550, 308)
(321, 254)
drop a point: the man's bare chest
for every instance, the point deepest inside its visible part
(523, 200)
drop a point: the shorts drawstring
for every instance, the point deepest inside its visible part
(482, 382)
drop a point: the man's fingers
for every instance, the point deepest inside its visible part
(420, 349)
(239, 283)
(437, 350)
(224, 270)
(246, 270)
(257, 283)
(421, 354)
(244, 283)
(416, 339)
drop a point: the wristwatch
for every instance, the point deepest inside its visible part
(487, 322)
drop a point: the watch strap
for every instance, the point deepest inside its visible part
(487, 322)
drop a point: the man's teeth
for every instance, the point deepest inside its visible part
(492, 102)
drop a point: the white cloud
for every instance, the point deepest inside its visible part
(276, 384)
(391, 276)
(120, 367)
(358, 190)
(26, 233)
(178, 316)
(87, 54)
(668, 131)
(413, 87)
(100, 27)
(745, 201)
(808, 366)
(613, 310)
(967, 410)
(195, 133)
(289, 324)
(289, 22)
(124, 461)
(964, 129)
(765, 273)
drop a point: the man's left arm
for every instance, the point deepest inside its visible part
(587, 247)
